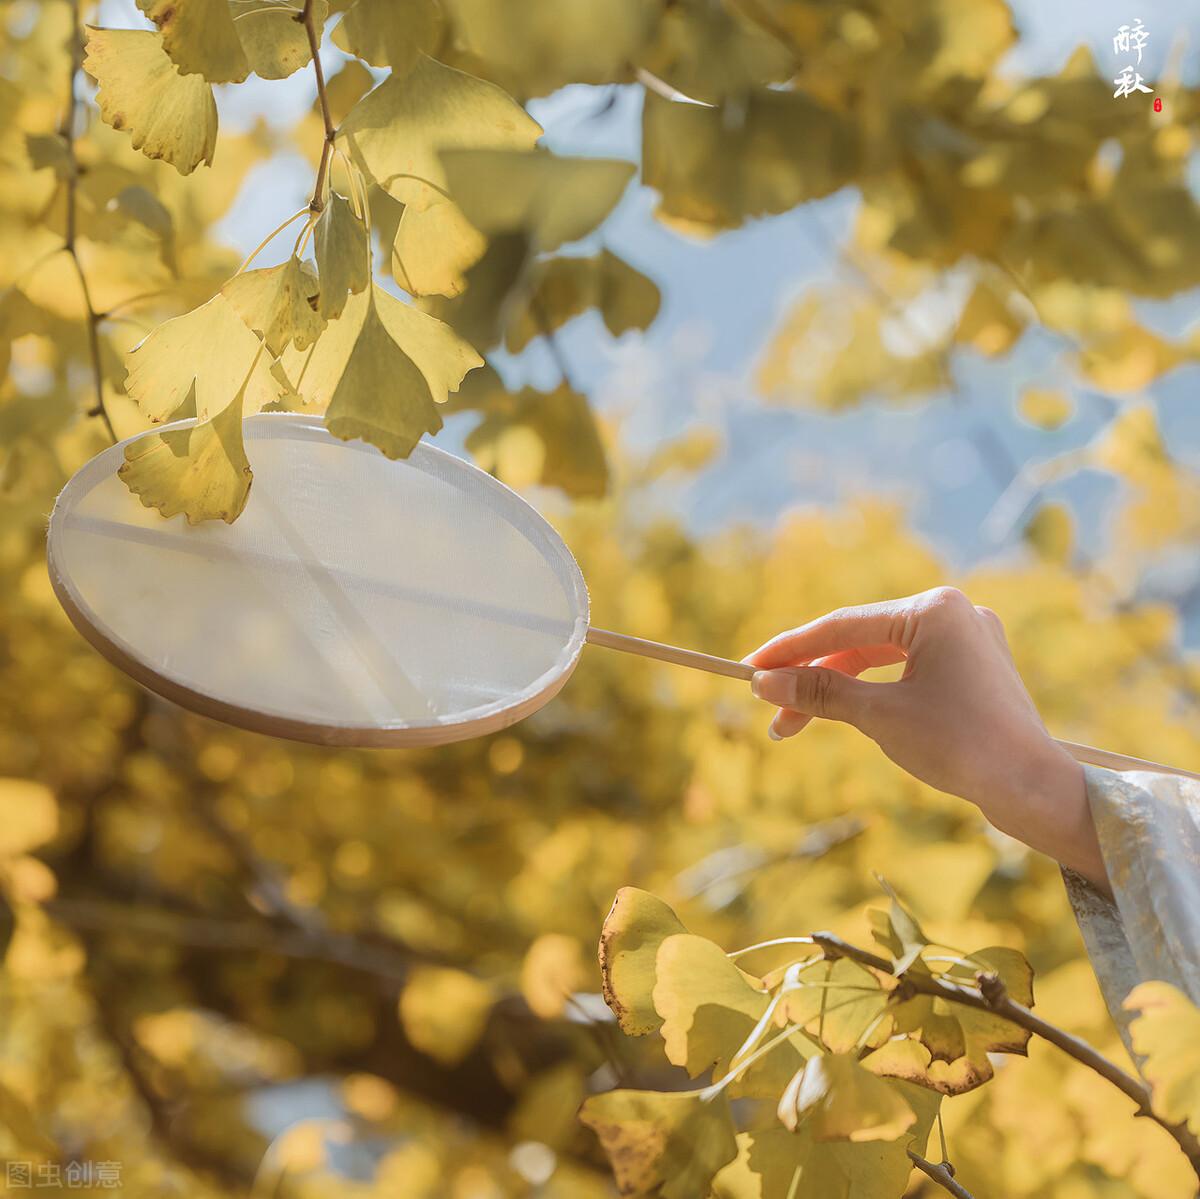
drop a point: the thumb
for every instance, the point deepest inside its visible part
(817, 691)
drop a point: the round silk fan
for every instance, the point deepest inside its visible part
(356, 601)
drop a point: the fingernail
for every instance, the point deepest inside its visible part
(773, 734)
(775, 686)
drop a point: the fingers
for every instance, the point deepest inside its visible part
(847, 628)
(817, 691)
(787, 723)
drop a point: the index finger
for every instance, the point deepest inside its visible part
(847, 628)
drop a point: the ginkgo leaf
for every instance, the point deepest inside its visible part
(277, 303)
(394, 134)
(201, 471)
(274, 42)
(840, 1101)
(343, 254)
(1051, 533)
(949, 1043)
(636, 925)
(28, 816)
(381, 395)
(210, 347)
(168, 115)
(562, 288)
(839, 1002)
(898, 932)
(390, 32)
(709, 1007)
(440, 356)
(494, 286)
(535, 437)
(434, 247)
(201, 37)
(1166, 1034)
(987, 322)
(662, 1144)
(553, 199)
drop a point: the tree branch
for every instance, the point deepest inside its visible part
(942, 1173)
(308, 19)
(989, 995)
(66, 130)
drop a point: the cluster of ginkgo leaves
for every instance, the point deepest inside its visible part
(457, 158)
(852, 1051)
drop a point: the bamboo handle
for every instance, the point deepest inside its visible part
(740, 670)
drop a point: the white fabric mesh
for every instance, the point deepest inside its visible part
(353, 591)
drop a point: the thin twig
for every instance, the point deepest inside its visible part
(990, 995)
(66, 130)
(308, 19)
(942, 1173)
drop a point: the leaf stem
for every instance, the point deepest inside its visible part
(989, 995)
(266, 241)
(66, 130)
(308, 19)
(942, 1173)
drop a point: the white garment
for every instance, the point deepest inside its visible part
(1149, 830)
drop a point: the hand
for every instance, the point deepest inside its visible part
(959, 719)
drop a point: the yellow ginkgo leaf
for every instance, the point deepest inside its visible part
(274, 42)
(441, 358)
(840, 1101)
(1046, 407)
(390, 33)
(28, 816)
(987, 322)
(277, 303)
(210, 347)
(201, 37)
(201, 471)
(168, 115)
(1166, 1033)
(444, 1011)
(395, 133)
(343, 254)
(434, 247)
(551, 198)
(636, 925)
(708, 1006)
(380, 394)
(662, 1144)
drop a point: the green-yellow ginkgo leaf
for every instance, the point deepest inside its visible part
(274, 42)
(898, 932)
(636, 925)
(277, 303)
(1166, 1034)
(840, 1101)
(553, 199)
(1046, 407)
(395, 133)
(840, 1002)
(662, 1144)
(380, 395)
(440, 356)
(168, 115)
(390, 33)
(201, 471)
(209, 347)
(562, 288)
(343, 254)
(201, 37)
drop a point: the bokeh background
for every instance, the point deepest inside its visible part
(945, 333)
